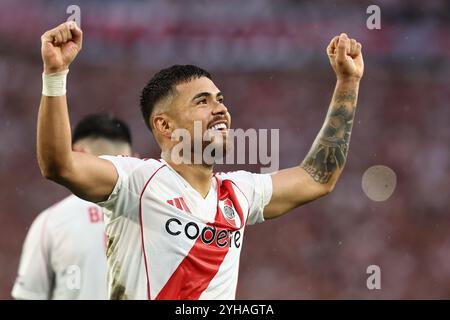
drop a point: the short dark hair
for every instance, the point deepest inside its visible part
(163, 82)
(102, 125)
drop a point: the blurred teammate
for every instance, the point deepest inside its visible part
(63, 256)
(176, 228)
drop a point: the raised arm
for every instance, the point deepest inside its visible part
(317, 175)
(87, 176)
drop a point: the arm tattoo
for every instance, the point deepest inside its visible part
(345, 97)
(329, 151)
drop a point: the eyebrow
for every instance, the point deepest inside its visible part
(205, 94)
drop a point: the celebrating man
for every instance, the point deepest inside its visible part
(176, 228)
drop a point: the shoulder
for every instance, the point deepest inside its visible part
(62, 212)
(240, 176)
(128, 165)
(246, 181)
(243, 180)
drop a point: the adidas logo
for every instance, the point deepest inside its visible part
(179, 203)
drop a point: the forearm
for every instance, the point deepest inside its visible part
(85, 175)
(328, 154)
(54, 144)
(316, 176)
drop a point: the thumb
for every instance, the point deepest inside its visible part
(343, 43)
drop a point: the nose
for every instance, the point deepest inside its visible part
(219, 108)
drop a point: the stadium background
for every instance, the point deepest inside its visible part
(268, 57)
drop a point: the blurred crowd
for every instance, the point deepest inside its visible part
(268, 57)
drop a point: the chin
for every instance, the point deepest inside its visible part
(215, 151)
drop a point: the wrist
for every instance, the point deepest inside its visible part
(349, 80)
(54, 84)
(51, 70)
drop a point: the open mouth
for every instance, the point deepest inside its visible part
(219, 126)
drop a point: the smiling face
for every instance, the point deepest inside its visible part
(191, 105)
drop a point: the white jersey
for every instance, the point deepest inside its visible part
(165, 241)
(63, 256)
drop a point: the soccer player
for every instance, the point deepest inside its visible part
(176, 229)
(64, 254)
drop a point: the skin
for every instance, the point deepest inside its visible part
(196, 100)
(102, 146)
(93, 179)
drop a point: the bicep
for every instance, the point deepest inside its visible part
(292, 187)
(89, 177)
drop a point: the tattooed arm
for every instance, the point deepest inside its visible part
(317, 175)
(328, 154)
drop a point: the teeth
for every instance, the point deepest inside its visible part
(219, 126)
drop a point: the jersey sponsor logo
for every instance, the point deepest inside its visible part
(208, 234)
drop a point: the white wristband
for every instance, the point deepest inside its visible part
(54, 84)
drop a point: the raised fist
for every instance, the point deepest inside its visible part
(60, 46)
(346, 57)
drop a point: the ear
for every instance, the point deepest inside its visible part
(162, 125)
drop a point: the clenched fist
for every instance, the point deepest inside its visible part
(60, 46)
(346, 57)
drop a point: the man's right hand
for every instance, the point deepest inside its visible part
(60, 46)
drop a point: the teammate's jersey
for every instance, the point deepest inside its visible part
(63, 256)
(165, 241)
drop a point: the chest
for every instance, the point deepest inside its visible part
(170, 197)
(177, 212)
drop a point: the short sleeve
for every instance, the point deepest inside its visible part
(258, 190)
(124, 192)
(35, 277)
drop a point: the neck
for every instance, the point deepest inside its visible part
(198, 175)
